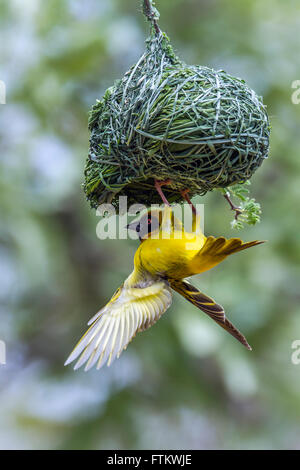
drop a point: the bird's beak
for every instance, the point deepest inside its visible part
(132, 226)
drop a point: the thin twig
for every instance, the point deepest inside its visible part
(236, 209)
(148, 12)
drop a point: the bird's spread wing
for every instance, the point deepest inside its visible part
(216, 250)
(209, 306)
(131, 309)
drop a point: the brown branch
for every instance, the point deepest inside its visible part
(236, 209)
(149, 13)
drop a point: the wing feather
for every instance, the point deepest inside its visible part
(216, 250)
(131, 310)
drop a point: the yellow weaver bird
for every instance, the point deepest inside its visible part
(166, 256)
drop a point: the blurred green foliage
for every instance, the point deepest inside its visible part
(185, 383)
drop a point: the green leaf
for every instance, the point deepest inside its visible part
(250, 208)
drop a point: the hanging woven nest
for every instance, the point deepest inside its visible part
(201, 128)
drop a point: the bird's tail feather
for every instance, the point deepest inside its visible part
(208, 306)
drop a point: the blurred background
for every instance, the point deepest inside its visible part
(185, 383)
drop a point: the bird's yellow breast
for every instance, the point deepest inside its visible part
(170, 255)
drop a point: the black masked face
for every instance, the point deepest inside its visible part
(148, 225)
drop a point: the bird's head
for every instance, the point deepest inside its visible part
(148, 224)
(154, 221)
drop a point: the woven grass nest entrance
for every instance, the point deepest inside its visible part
(202, 128)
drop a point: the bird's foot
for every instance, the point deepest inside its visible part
(158, 186)
(184, 194)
